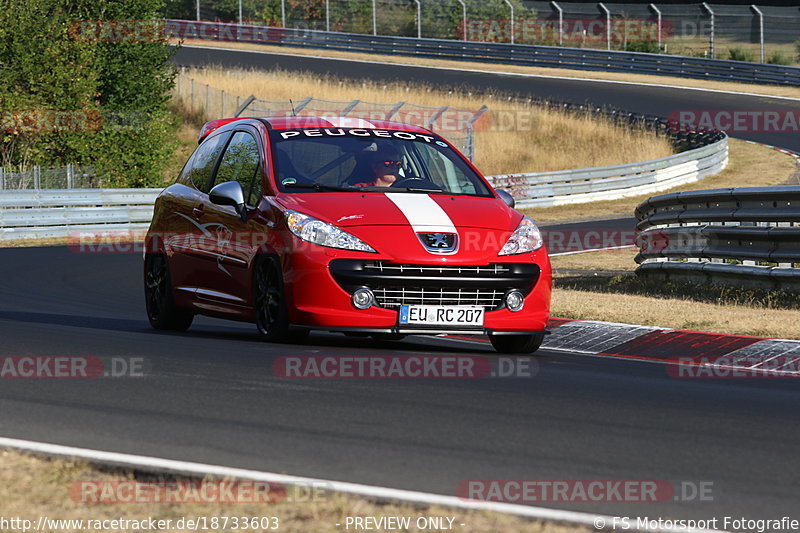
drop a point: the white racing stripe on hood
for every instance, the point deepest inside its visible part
(423, 213)
(349, 122)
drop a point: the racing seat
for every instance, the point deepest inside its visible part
(362, 171)
(286, 168)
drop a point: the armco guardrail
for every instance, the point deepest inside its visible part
(746, 236)
(544, 189)
(58, 213)
(505, 53)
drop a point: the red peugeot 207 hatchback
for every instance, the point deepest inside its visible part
(343, 224)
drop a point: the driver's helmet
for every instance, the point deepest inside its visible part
(387, 157)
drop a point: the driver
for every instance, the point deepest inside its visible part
(386, 163)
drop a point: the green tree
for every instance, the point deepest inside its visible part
(101, 63)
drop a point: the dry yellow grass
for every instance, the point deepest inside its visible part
(601, 260)
(33, 487)
(772, 90)
(514, 138)
(750, 165)
(676, 313)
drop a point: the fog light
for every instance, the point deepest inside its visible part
(514, 301)
(363, 298)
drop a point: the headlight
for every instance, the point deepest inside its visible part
(526, 238)
(318, 232)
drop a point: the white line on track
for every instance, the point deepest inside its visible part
(593, 250)
(499, 72)
(368, 491)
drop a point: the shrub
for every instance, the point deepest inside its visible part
(779, 58)
(740, 54)
(650, 47)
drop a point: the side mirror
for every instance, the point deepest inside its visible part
(229, 193)
(506, 197)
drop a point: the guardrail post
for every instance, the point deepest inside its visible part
(711, 38)
(760, 29)
(191, 94)
(197, 7)
(37, 177)
(283, 14)
(511, 7)
(208, 98)
(560, 23)
(2, 178)
(464, 17)
(419, 19)
(608, 24)
(222, 104)
(471, 132)
(374, 19)
(327, 15)
(70, 173)
(658, 15)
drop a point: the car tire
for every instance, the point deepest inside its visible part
(161, 309)
(269, 304)
(521, 344)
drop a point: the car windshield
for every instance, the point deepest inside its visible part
(337, 159)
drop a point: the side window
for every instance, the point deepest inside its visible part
(241, 162)
(200, 166)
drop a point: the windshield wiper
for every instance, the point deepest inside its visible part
(319, 187)
(378, 188)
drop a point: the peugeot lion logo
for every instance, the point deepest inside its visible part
(438, 243)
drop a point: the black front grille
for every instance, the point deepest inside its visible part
(444, 270)
(396, 284)
(395, 297)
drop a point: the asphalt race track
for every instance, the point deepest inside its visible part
(210, 395)
(653, 100)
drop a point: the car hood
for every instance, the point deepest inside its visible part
(423, 212)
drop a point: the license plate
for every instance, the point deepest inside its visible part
(441, 315)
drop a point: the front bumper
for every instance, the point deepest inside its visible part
(319, 285)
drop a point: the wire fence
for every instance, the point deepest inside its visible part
(456, 125)
(36, 177)
(742, 32)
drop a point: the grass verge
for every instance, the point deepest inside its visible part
(602, 286)
(750, 165)
(33, 487)
(513, 138)
(771, 90)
